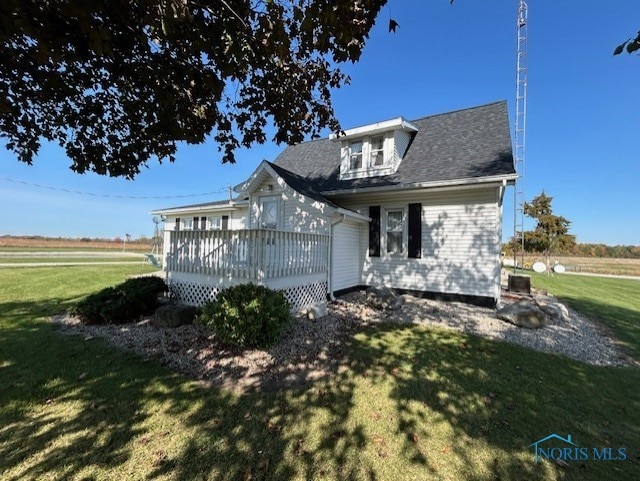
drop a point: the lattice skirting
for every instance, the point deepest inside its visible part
(193, 294)
(300, 297)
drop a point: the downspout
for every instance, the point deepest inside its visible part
(503, 189)
(329, 288)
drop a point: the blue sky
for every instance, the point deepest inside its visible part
(582, 125)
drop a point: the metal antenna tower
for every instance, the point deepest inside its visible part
(520, 134)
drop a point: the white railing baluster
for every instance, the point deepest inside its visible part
(248, 254)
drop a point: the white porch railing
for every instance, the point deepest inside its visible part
(255, 254)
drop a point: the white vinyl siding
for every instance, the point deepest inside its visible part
(401, 140)
(460, 244)
(345, 262)
(305, 216)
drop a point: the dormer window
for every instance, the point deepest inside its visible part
(355, 155)
(376, 152)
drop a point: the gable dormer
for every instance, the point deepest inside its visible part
(374, 150)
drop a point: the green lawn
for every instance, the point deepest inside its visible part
(66, 260)
(614, 302)
(414, 403)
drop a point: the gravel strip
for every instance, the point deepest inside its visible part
(577, 337)
(309, 350)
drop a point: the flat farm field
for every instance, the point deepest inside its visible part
(594, 265)
(11, 243)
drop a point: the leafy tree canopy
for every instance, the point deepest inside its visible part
(117, 82)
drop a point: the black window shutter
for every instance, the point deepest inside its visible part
(374, 231)
(177, 223)
(225, 222)
(415, 231)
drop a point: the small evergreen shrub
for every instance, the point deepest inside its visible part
(123, 303)
(247, 315)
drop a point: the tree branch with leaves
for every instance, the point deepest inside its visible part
(117, 83)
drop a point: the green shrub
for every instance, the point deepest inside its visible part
(247, 315)
(123, 303)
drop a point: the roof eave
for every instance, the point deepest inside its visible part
(182, 210)
(246, 186)
(398, 123)
(509, 179)
(353, 214)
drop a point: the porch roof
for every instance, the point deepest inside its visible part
(233, 204)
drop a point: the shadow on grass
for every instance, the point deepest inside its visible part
(413, 402)
(501, 396)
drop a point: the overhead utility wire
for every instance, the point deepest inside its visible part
(114, 196)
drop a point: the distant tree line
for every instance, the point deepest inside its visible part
(587, 250)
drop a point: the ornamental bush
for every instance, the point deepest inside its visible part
(126, 302)
(247, 315)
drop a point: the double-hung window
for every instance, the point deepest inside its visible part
(376, 151)
(355, 155)
(269, 213)
(395, 231)
(215, 222)
(187, 224)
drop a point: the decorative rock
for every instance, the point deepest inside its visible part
(523, 314)
(174, 315)
(555, 310)
(383, 298)
(316, 311)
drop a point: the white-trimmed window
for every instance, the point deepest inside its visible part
(395, 231)
(355, 155)
(376, 151)
(214, 222)
(187, 224)
(269, 212)
(177, 224)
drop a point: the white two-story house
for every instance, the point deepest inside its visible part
(415, 205)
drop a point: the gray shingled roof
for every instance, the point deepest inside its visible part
(301, 184)
(195, 206)
(464, 144)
